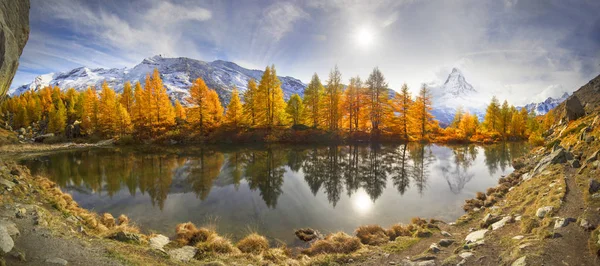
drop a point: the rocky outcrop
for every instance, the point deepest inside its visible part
(573, 108)
(14, 33)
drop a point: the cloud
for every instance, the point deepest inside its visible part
(279, 18)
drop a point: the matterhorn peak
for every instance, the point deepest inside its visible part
(456, 84)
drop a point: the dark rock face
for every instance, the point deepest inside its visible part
(14, 33)
(573, 108)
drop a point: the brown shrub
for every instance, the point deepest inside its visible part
(372, 235)
(490, 191)
(123, 220)
(480, 196)
(216, 244)
(491, 200)
(398, 230)
(253, 243)
(418, 221)
(188, 234)
(334, 243)
(108, 220)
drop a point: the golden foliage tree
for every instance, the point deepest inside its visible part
(250, 106)
(377, 89)
(271, 104)
(401, 105)
(295, 109)
(331, 100)
(233, 116)
(127, 97)
(422, 121)
(89, 116)
(107, 111)
(313, 95)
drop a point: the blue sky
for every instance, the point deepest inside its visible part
(520, 50)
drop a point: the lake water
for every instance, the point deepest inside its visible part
(276, 189)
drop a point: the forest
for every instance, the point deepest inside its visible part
(360, 110)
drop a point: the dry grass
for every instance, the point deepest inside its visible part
(253, 243)
(480, 196)
(400, 244)
(215, 244)
(188, 234)
(399, 230)
(123, 220)
(334, 243)
(372, 235)
(108, 220)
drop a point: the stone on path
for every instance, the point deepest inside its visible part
(466, 255)
(434, 248)
(446, 234)
(10, 227)
(57, 261)
(476, 236)
(520, 261)
(183, 254)
(561, 222)
(6, 242)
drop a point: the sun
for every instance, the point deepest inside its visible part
(365, 37)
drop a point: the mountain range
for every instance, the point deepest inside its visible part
(178, 75)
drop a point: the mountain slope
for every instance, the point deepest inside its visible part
(178, 75)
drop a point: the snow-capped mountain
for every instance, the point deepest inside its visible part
(455, 92)
(543, 107)
(177, 74)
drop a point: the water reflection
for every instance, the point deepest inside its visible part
(333, 169)
(335, 187)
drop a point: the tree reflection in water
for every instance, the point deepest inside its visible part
(329, 169)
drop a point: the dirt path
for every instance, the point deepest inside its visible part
(571, 246)
(37, 244)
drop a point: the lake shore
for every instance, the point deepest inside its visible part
(531, 220)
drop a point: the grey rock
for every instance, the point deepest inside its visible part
(57, 261)
(21, 212)
(434, 248)
(159, 241)
(575, 163)
(445, 234)
(6, 242)
(594, 186)
(466, 255)
(6, 183)
(573, 108)
(561, 222)
(520, 261)
(14, 33)
(586, 225)
(10, 227)
(518, 237)
(476, 236)
(499, 224)
(489, 219)
(127, 237)
(541, 212)
(183, 254)
(445, 242)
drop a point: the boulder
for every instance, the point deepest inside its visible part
(573, 108)
(489, 219)
(561, 222)
(575, 163)
(14, 33)
(434, 248)
(445, 242)
(541, 212)
(159, 241)
(499, 224)
(183, 254)
(10, 227)
(6, 242)
(586, 225)
(476, 236)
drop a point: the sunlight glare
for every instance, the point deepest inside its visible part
(362, 202)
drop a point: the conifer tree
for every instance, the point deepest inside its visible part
(331, 100)
(272, 107)
(251, 101)
(89, 117)
(161, 107)
(123, 121)
(107, 111)
(378, 99)
(233, 116)
(199, 97)
(57, 118)
(313, 95)
(492, 116)
(422, 120)
(401, 105)
(504, 121)
(353, 101)
(295, 109)
(179, 111)
(127, 97)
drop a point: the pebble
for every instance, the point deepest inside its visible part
(518, 237)
(520, 261)
(466, 255)
(445, 242)
(446, 234)
(434, 248)
(57, 261)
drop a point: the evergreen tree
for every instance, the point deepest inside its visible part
(251, 103)
(401, 104)
(127, 97)
(492, 116)
(272, 109)
(295, 108)
(378, 99)
(58, 118)
(422, 121)
(233, 116)
(313, 95)
(331, 101)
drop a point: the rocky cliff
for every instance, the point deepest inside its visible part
(14, 33)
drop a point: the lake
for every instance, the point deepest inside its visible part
(275, 189)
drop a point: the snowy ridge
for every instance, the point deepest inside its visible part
(544, 107)
(177, 74)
